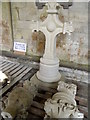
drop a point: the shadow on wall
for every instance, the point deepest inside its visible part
(38, 39)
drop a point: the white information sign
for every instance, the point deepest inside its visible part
(21, 47)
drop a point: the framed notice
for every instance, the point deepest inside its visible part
(18, 46)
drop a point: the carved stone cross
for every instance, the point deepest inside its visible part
(51, 27)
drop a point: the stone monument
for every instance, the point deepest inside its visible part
(51, 27)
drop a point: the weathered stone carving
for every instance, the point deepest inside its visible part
(3, 79)
(63, 104)
(19, 100)
(2, 76)
(67, 88)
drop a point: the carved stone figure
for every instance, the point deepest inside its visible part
(63, 104)
(19, 100)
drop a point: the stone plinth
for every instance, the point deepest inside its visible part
(48, 72)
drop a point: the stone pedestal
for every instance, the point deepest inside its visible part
(48, 72)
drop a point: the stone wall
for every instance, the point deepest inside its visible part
(5, 27)
(24, 16)
(76, 49)
(72, 48)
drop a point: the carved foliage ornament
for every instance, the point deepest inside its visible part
(63, 104)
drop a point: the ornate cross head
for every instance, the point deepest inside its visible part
(53, 6)
(65, 5)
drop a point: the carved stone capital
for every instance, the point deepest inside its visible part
(63, 104)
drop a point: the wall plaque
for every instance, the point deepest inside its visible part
(21, 47)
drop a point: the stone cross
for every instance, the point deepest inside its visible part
(51, 27)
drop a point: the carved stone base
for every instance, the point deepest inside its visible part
(48, 73)
(36, 82)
